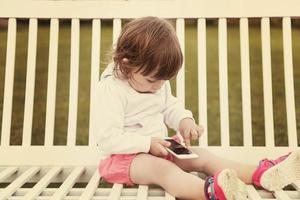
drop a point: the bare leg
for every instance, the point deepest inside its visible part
(210, 163)
(148, 169)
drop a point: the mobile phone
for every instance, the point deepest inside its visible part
(179, 151)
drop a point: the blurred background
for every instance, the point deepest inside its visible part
(213, 129)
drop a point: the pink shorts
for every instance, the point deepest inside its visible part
(116, 167)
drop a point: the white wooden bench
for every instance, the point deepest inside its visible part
(69, 164)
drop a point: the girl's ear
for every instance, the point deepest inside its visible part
(125, 61)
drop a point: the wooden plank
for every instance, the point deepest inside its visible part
(223, 82)
(9, 82)
(132, 9)
(245, 73)
(95, 72)
(115, 193)
(74, 82)
(30, 81)
(7, 172)
(289, 82)
(180, 79)
(281, 195)
(15, 185)
(51, 85)
(68, 183)
(202, 79)
(142, 192)
(267, 82)
(296, 184)
(42, 184)
(169, 196)
(91, 187)
(117, 26)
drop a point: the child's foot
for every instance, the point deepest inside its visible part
(225, 185)
(274, 175)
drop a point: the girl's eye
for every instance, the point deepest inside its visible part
(150, 81)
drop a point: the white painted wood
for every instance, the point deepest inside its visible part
(169, 196)
(9, 82)
(202, 80)
(95, 72)
(289, 82)
(74, 82)
(296, 184)
(91, 187)
(51, 86)
(252, 193)
(115, 192)
(30, 80)
(42, 184)
(281, 195)
(133, 9)
(12, 187)
(68, 183)
(180, 78)
(245, 73)
(7, 172)
(117, 26)
(142, 193)
(223, 82)
(267, 82)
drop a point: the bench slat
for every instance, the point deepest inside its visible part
(16, 184)
(74, 79)
(289, 82)
(68, 183)
(252, 193)
(267, 81)
(115, 192)
(245, 76)
(30, 80)
(142, 192)
(180, 79)
(95, 71)
(7, 172)
(117, 25)
(296, 184)
(223, 82)
(281, 195)
(51, 85)
(9, 81)
(42, 184)
(91, 187)
(169, 196)
(202, 80)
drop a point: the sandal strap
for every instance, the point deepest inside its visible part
(209, 184)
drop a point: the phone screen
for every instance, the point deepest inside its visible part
(178, 148)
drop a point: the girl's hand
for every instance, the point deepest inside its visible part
(158, 147)
(190, 130)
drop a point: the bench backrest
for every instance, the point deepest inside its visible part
(203, 13)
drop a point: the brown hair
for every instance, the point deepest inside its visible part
(151, 46)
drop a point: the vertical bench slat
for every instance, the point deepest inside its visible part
(252, 193)
(289, 82)
(142, 193)
(74, 79)
(51, 85)
(180, 84)
(245, 73)
(280, 195)
(223, 82)
(169, 196)
(9, 81)
(7, 172)
(68, 184)
(117, 25)
(17, 183)
(115, 192)
(95, 71)
(30, 81)
(267, 82)
(42, 184)
(296, 184)
(202, 81)
(91, 187)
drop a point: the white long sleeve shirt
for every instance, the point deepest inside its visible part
(125, 120)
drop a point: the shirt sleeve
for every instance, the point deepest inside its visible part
(108, 123)
(174, 111)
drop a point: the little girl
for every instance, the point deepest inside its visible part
(135, 104)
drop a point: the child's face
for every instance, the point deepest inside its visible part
(144, 84)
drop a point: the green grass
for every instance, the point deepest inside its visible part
(234, 81)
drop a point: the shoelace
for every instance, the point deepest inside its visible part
(209, 183)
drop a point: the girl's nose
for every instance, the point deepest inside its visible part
(158, 85)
